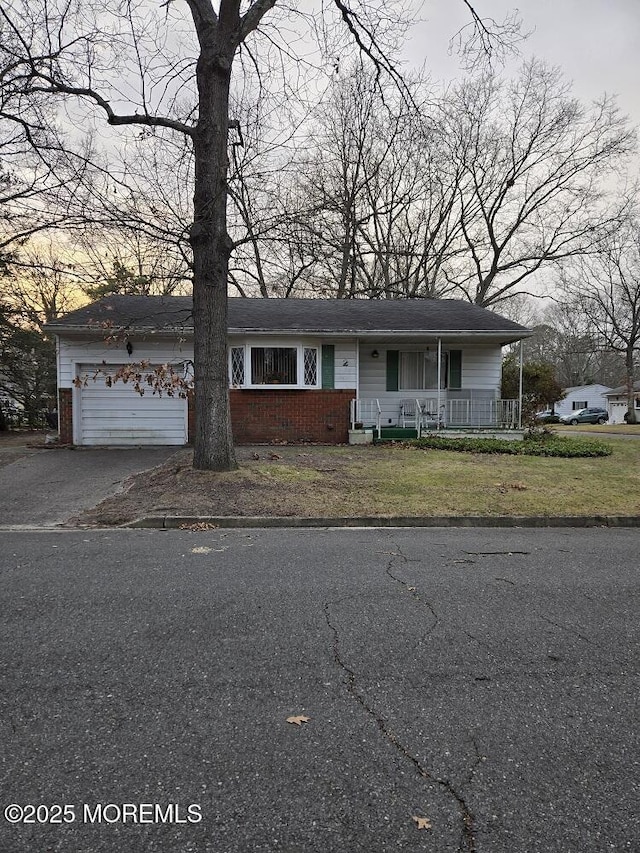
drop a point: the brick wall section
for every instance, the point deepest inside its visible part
(65, 415)
(266, 416)
(262, 416)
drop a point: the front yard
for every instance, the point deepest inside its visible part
(383, 481)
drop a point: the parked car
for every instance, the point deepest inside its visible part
(586, 416)
(547, 417)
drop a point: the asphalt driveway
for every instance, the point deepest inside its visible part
(47, 487)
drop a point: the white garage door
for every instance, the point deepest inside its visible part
(120, 416)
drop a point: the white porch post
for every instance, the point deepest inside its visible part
(439, 378)
(520, 386)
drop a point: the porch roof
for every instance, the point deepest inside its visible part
(380, 318)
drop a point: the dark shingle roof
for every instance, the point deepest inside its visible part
(332, 316)
(621, 389)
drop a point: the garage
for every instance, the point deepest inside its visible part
(119, 416)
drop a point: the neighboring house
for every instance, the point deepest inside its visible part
(299, 369)
(618, 405)
(582, 397)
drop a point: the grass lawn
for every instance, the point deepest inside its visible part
(384, 481)
(446, 483)
(587, 429)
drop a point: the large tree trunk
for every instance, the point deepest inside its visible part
(211, 249)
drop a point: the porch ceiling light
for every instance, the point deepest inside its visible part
(375, 354)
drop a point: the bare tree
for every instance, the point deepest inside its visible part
(606, 289)
(536, 166)
(150, 67)
(377, 196)
(132, 264)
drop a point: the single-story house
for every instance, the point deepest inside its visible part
(618, 405)
(582, 397)
(299, 369)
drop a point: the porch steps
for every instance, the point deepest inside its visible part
(396, 434)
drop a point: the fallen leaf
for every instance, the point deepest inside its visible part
(422, 822)
(274, 456)
(298, 720)
(411, 588)
(201, 550)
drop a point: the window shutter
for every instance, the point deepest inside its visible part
(393, 358)
(455, 368)
(328, 366)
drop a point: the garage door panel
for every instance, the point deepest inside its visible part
(118, 415)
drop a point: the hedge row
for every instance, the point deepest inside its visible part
(566, 447)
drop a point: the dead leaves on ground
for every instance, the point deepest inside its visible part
(199, 525)
(421, 822)
(298, 719)
(503, 488)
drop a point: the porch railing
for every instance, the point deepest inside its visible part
(366, 412)
(479, 413)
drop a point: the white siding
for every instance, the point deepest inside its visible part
(589, 395)
(481, 368)
(118, 415)
(73, 352)
(346, 367)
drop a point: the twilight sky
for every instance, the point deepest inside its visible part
(595, 42)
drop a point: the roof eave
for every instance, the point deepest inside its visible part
(514, 334)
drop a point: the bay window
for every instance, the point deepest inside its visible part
(273, 366)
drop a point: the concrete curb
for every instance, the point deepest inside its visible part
(173, 522)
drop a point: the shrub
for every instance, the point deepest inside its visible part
(533, 446)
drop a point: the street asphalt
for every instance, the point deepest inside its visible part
(482, 681)
(46, 487)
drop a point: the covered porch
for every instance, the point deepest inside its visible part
(407, 387)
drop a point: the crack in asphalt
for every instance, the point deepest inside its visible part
(413, 591)
(496, 553)
(570, 629)
(480, 757)
(468, 836)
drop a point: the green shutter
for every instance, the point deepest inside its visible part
(393, 359)
(455, 368)
(328, 366)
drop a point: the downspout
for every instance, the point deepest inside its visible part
(439, 377)
(520, 384)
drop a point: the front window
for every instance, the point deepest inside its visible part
(310, 366)
(295, 366)
(274, 366)
(419, 371)
(237, 366)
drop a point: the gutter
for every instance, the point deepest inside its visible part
(376, 333)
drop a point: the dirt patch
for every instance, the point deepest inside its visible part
(11, 439)
(282, 481)
(14, 444)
